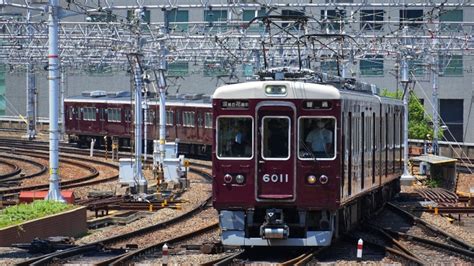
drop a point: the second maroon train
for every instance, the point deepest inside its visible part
(107, 117)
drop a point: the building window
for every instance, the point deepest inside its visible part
(451, 112)
(178, 69)
(372, 66)
(411, 18)
(178, 19)
(451, 65)
(218, 16)
(371, 19)
(169, 118)
(329, 65)
(146, 16)
(248, 15)
(208, 120)
(293, 15)
(331, 19)
(416, 67)
(214, 69)
(88, 114)
(188, 119)
(106, 16)
(450, 19)
(114, 114)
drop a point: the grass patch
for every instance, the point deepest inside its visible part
(24, 212)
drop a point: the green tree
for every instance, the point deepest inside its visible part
(419, 124)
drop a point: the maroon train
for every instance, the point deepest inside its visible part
(97, 114)
(296, 163)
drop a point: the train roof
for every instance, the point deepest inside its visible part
(294, 90)
(121, 97)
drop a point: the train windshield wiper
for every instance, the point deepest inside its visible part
(308, 151)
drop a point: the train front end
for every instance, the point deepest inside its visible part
(275, 163)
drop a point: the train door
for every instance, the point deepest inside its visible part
(275, 159)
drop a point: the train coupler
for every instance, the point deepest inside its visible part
(274, 226)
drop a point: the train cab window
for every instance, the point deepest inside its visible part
(316, 138)
(234, 137)
(208, 120)
(276, 138)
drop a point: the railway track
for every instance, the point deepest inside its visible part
(84, 163)
(420, 244)
(104, 248)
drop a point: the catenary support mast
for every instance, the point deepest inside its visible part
(54, 192)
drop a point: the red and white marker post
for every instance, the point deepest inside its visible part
(164, 252)
(360, 245)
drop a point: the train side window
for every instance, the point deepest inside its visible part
(71, 113)
(276, 138)
(199, 120)
(316, 138)
(114, 114)
(89, 114)
(178, 118)
(102, 114)
(169, 118)
(234, 137)
(188, 119)
(208, 120)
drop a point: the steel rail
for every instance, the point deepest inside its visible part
(419, 221)
(93, 173)
(227, 260)
(42, 167)
(304, 258)
(443, 209)
(394, 251)
(411, 237)
(122, 259)
(15, 170)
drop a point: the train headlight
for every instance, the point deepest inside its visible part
(323, 179)
(228, 178)
(311, 179)
(240, 179)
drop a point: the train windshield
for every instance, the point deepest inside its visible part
(316, 138)
(276, 133)
(234, 137)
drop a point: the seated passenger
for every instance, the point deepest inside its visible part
(320, 140)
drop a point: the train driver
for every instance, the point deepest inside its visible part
(241, 140)
(320, 139)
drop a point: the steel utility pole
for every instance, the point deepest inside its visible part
(54, 192)
(406, 178)
(434, 71)
(30, 91)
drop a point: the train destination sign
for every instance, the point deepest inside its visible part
(235, 104)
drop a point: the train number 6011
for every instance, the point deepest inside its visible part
(275, 178)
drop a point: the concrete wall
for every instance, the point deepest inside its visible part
(71, 223)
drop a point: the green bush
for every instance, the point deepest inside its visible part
(419, 124)
(23, 212)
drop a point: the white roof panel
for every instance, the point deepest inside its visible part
(295, 90)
